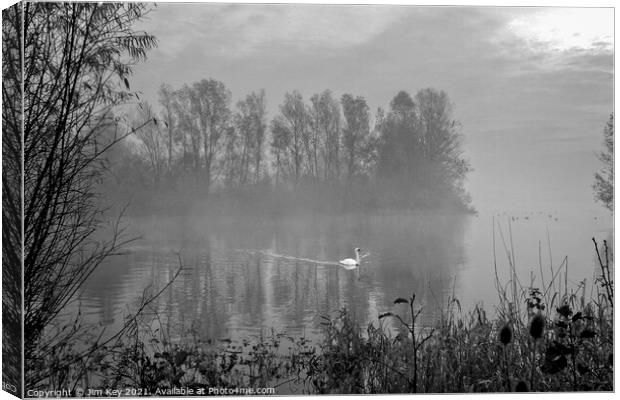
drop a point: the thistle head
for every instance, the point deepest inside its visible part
(521, 387)
(505, 335)
(537, 326)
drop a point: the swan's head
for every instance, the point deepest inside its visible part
(357, 249)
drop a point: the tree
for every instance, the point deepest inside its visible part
(187, 135)
(326, 123)
(152, 144)
(280, 145)
(292, 131)
(398, 151)
(258, 107)
(77, 58)
(166, 99)
(420, 149)
(604, 180)
(440, 139)
(210, 101)
(357, 128)
(233, 159)
(12, 63)
(251, 127)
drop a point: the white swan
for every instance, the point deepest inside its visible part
(351, 262)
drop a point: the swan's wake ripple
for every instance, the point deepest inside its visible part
(308, 260)
(302, 259)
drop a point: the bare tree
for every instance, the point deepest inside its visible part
(326, 124)
(281, 138)
(293, 122)
(77, 60)
(152, 144)
(440, 138)
(233, 162)
(187, 134)
(211, 108)
(12, 201)
(166, 99)
(357, 128)
(250, 125)
(257, 104)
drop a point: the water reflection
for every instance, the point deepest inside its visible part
(235, 284)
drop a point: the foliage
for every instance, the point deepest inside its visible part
(549, 346)
(604, 180)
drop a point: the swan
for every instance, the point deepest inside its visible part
(351, 262)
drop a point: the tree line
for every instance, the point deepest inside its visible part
(409, 155)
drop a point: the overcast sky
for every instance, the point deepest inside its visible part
(532, 87)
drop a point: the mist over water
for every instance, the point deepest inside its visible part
(244, 276)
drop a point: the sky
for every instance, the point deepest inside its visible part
(531, 87)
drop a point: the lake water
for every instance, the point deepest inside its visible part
(244, 276)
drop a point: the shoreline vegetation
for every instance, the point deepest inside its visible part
(543, 338)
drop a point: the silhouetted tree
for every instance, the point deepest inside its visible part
(412, 154)
(166, 99)
(399, 148)
(357, 127)
(12, 63)
(420, 149)
(211, 108)
(280, 145)
(77, 59)
(441, 141)
(233, 158)
(188, 131)
(251, 126)
(604, 180)
(152, 144)
(326, 125)
(292, 129)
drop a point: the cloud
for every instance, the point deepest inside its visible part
(241, 30)
(562, 29)
(541, 40)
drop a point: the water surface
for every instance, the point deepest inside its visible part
(244, 276)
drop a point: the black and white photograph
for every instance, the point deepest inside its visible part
(233, 199)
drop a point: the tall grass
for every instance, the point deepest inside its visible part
(545, 337)
(532, 345)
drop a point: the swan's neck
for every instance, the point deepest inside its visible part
(357, 256)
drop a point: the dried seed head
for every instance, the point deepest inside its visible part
(505, 335)
(521, 387)
(537, 326)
